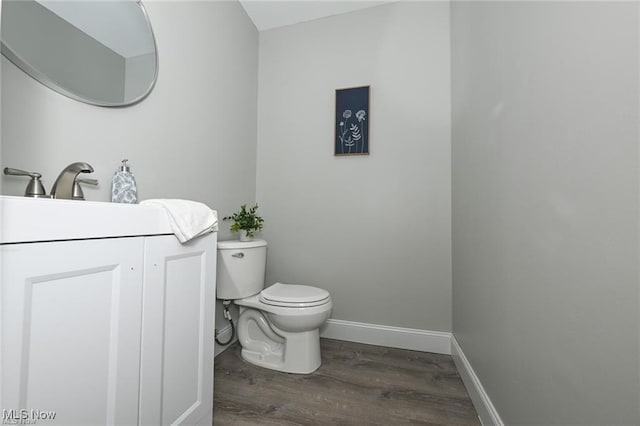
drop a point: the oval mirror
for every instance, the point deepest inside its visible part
(99, 52)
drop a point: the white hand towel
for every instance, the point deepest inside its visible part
(188, 219)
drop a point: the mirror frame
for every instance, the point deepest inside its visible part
(46, 81)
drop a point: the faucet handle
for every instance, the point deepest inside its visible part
(35, 188)
(18, 172)
(78, 194)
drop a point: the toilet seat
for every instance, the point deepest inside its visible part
(294, 296)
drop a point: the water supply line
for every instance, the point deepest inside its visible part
(227, 315)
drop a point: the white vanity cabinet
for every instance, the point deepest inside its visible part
(115, 330)
(71, 329)
(176, 377)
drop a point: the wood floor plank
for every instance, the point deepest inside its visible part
(356, 385)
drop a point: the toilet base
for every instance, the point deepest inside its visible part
(264, 345)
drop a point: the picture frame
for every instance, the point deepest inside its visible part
(352, 121)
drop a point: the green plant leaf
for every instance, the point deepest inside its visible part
(245, 219)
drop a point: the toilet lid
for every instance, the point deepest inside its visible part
(292, 295)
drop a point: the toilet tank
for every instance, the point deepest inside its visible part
(241, 267)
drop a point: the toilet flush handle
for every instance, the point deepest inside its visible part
(238, 255)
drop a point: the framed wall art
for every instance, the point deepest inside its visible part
(352, 121)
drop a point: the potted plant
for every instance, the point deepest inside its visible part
(246, 222)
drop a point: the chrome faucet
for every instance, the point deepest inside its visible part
(63, 186)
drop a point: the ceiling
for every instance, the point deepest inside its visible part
(268, 14)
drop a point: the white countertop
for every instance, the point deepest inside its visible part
(25, 219)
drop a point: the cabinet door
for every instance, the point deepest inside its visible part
(71, 321)
(177, 339)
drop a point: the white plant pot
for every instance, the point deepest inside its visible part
(244, 236)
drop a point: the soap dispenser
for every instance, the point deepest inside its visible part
(124, 186)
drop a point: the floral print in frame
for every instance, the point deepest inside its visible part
(352, 121)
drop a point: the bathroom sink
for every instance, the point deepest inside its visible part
(25, 219)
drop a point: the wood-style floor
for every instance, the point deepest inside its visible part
(356, 385)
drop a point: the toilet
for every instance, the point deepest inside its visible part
(278, 327)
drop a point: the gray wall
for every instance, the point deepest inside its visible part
(545, 207)
(373, 230)
(194, 137)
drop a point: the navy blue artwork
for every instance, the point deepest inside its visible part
(352, 121)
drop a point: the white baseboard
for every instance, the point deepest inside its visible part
(224, 335)
(383, 335)
(486, 411)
